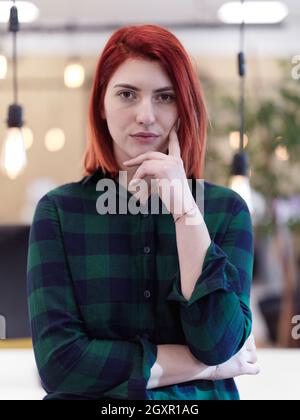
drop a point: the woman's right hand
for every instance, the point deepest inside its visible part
(243, 363)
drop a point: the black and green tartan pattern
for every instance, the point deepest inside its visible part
(104, 291)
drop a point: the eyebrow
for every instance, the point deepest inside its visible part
(125, 85)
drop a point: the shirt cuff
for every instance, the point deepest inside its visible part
(137, 386)
(217, 273)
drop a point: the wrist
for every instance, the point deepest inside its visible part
(205, 373)
(186, 208)
(192, 217)
(190, 212)
(215, 373)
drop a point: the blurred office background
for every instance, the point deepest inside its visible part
(58, 46)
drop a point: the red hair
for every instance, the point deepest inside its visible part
(150, 42)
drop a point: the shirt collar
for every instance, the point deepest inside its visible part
(95, 176)
(100, 174)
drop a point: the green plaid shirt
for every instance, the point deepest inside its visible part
(104, 291)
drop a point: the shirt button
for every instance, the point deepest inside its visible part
(147, 250)
(147, 294)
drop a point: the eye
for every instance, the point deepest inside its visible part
(125, 92)
(170, 98)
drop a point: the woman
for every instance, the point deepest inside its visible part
(142, 306)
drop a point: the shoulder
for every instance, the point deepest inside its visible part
(69, 202)
(64, 191)
(223, 198)
(226, 213)
(69, 197)
(72, 189)
(70, 194)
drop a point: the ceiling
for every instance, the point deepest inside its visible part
(82, 27)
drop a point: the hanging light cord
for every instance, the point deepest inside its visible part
(242, 73)
(14, 28)
(15, 68)
(240, 163)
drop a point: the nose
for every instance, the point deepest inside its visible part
(145, 113)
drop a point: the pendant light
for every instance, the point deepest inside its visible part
(13, 154)
(239, 180)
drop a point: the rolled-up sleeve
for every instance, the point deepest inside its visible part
(71, 363)
(217, 319)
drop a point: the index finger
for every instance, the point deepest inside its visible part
(174, 146)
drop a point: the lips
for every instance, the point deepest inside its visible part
(145, 139)
(145, 135)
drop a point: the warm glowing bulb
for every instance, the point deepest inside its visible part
(234, 140)
(74, 76)
(282, 153)
(27, 11)
(55, 140)
(253, 12)
(28, 137)
(13, 156)
(3, 67)
(241, 185)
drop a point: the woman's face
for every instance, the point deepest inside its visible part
(130, 110)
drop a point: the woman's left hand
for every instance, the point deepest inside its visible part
(169, 173)
(245, 362)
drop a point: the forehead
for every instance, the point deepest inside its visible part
(141, 73)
